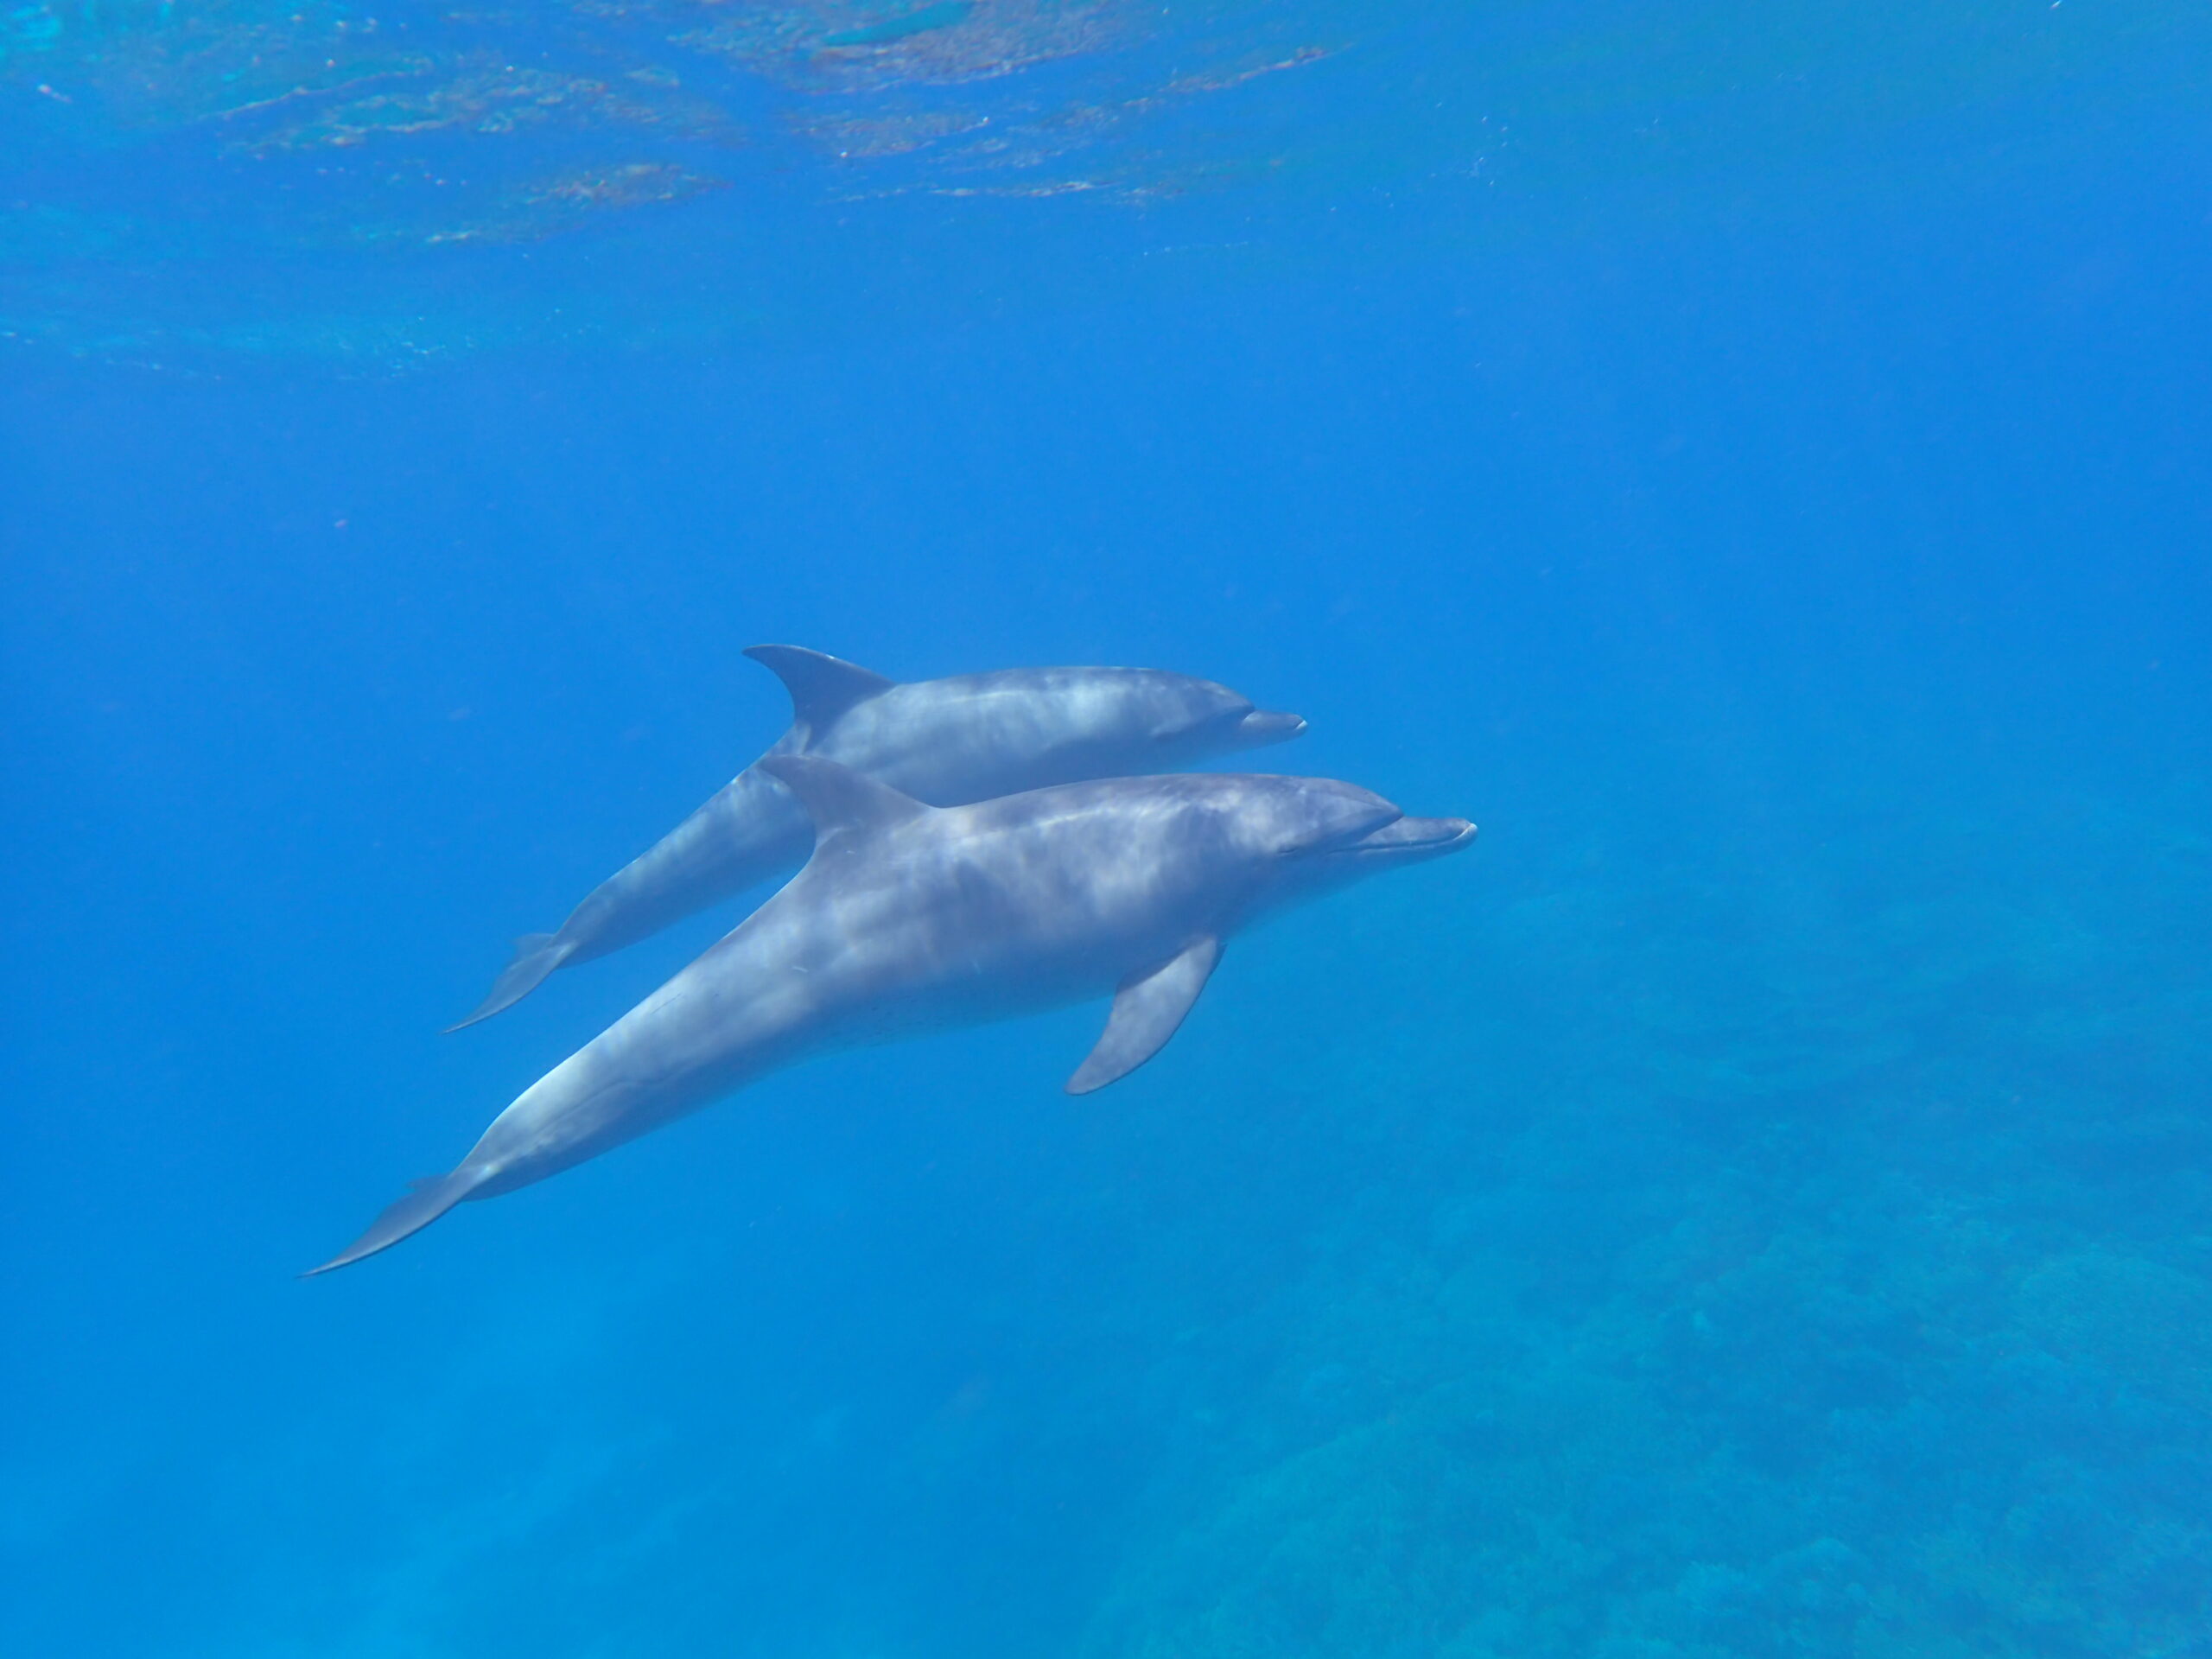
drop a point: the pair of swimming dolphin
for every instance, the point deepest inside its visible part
(981, 847)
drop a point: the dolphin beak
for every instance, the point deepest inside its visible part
(1414, 838)
(1263, 726)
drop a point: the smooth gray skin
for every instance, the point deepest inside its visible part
(947, 742)
(911, 918)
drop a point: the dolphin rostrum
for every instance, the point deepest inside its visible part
(947, 742)
(911, 918)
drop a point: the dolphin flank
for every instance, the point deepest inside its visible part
(910, 917)
(947, 742)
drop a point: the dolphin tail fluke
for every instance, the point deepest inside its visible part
(425, 1202)
(537, 954)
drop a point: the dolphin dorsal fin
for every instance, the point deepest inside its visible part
(838, 798)
(821, 687)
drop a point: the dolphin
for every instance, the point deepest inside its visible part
(910, 917)
(947, 742)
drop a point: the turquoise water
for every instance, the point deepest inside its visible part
(1758, 1200)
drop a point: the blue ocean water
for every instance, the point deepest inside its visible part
(1757, 1201)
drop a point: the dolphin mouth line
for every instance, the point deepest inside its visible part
(1396, 837)
(1262, 727)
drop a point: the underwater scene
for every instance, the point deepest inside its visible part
(831, 667)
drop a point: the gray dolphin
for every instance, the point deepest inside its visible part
(911, 918)
(947, 742)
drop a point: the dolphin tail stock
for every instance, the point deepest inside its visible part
(537, 954)
(426, 1201)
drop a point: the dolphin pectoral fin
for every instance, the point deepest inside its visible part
(425, 1202)
(821, 687)
(837, 797)
(1148, 1010)
(537, 954)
